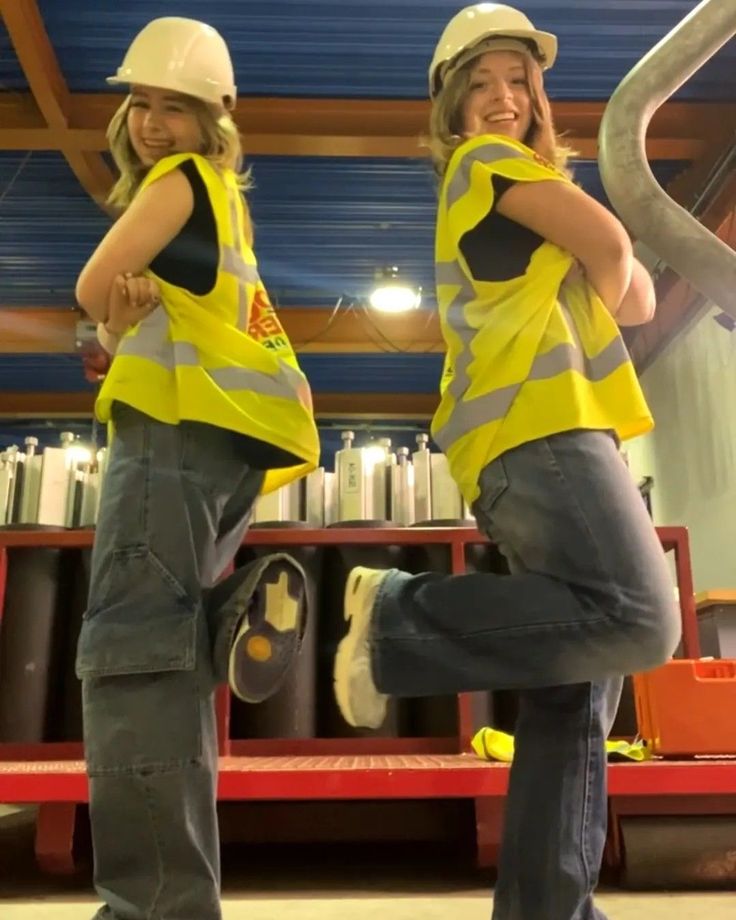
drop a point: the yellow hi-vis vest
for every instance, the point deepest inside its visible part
(527, 357)
(223, 357)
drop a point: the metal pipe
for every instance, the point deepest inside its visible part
(647, 210)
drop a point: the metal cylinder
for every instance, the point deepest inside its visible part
(28, 639)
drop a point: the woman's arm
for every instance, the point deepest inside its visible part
(640, 301)
(563, 214)
(150, 223)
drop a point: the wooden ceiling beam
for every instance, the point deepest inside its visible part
(49, 90)
(410, 118)
(357, 127)
(37, 59)
(372, 406)
(320, 145)
(28, 331)
(312, 330)
(376, 405)
(19, 112)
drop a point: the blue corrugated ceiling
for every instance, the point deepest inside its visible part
(350, 48)
(48, 227)
(11, 75)
(42, 373)
(323, 225)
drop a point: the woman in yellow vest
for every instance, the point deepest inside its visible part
(208, 408)
(533, 280)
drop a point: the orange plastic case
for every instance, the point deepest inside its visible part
(687, 707)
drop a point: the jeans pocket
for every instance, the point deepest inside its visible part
(140, 619)
(493, 483)
(136, 658)
(142, 723)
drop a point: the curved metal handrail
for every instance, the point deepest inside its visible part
(647, 210)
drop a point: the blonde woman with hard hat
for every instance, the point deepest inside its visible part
(533, 280)
(208, 408)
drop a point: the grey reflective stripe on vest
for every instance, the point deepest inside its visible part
(605, 362)
(152, 342)
(451, 273)
(492, 407)
(241, 378)
(233, 263)
(578, 356)
(486, 153)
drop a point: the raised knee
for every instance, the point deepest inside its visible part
(655, 630)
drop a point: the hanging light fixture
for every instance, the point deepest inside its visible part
(393, 293)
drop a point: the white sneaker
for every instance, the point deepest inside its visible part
(361, 705)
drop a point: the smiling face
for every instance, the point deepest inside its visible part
(161, 123)
(498, 99)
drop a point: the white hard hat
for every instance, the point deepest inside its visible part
(183, 55)
(481, 22)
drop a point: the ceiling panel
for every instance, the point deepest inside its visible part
(323, 225)
(11, 75)
(381, 49)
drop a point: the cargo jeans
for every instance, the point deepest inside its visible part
(166, 530)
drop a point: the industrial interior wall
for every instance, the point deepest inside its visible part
(691, 454)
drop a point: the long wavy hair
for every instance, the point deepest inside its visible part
(446, 119)
(221, 145)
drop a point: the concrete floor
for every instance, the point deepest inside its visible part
(364, 906)
(309, 884)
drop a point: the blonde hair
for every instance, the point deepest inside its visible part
(446, 119)
(221, 146)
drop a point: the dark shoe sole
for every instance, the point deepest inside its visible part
(268, 639)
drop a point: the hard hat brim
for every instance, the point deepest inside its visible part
(175, 87)
(543, 45)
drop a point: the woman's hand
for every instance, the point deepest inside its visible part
(132, 298)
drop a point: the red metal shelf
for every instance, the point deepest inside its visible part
(331, 769)
(288, 536)
(410, 776)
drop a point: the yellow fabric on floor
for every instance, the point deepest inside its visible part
(490, 744)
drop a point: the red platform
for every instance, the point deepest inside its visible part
(366, 776)
(332, 769)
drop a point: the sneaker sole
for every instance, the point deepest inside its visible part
(283, 622)
(353, 605)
